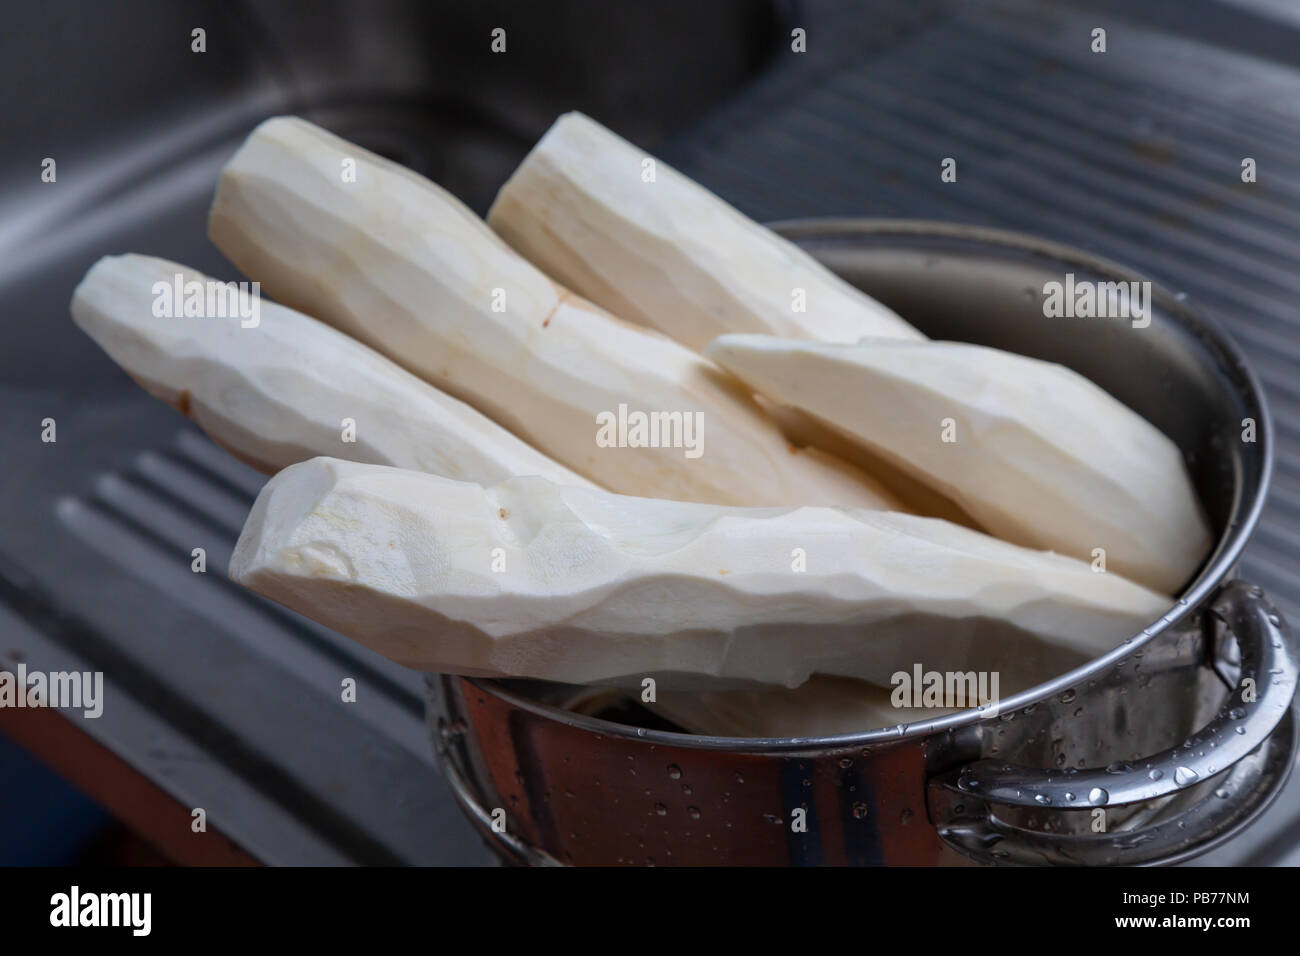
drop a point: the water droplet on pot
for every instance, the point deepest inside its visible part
(1156, 774)
(1098, 797)
(693, 812)
(1185, 775)
(661, 810)
(859, 811)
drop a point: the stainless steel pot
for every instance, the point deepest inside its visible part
(1151, 754)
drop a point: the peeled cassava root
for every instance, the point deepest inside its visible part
(275, 393)
(1035, 452)
(282, 390)
(532, 579)
(672, 256)
(388, 257)
(665, 252)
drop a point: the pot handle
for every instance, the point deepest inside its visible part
(1250, 742)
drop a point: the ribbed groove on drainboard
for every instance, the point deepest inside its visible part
(1119, 199)
(179, 525)
(222, 506)
(208, 457)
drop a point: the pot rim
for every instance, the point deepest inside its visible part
(1243, 516)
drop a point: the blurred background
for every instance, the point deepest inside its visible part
(224, 702)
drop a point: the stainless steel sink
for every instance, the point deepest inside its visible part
(222, 701)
